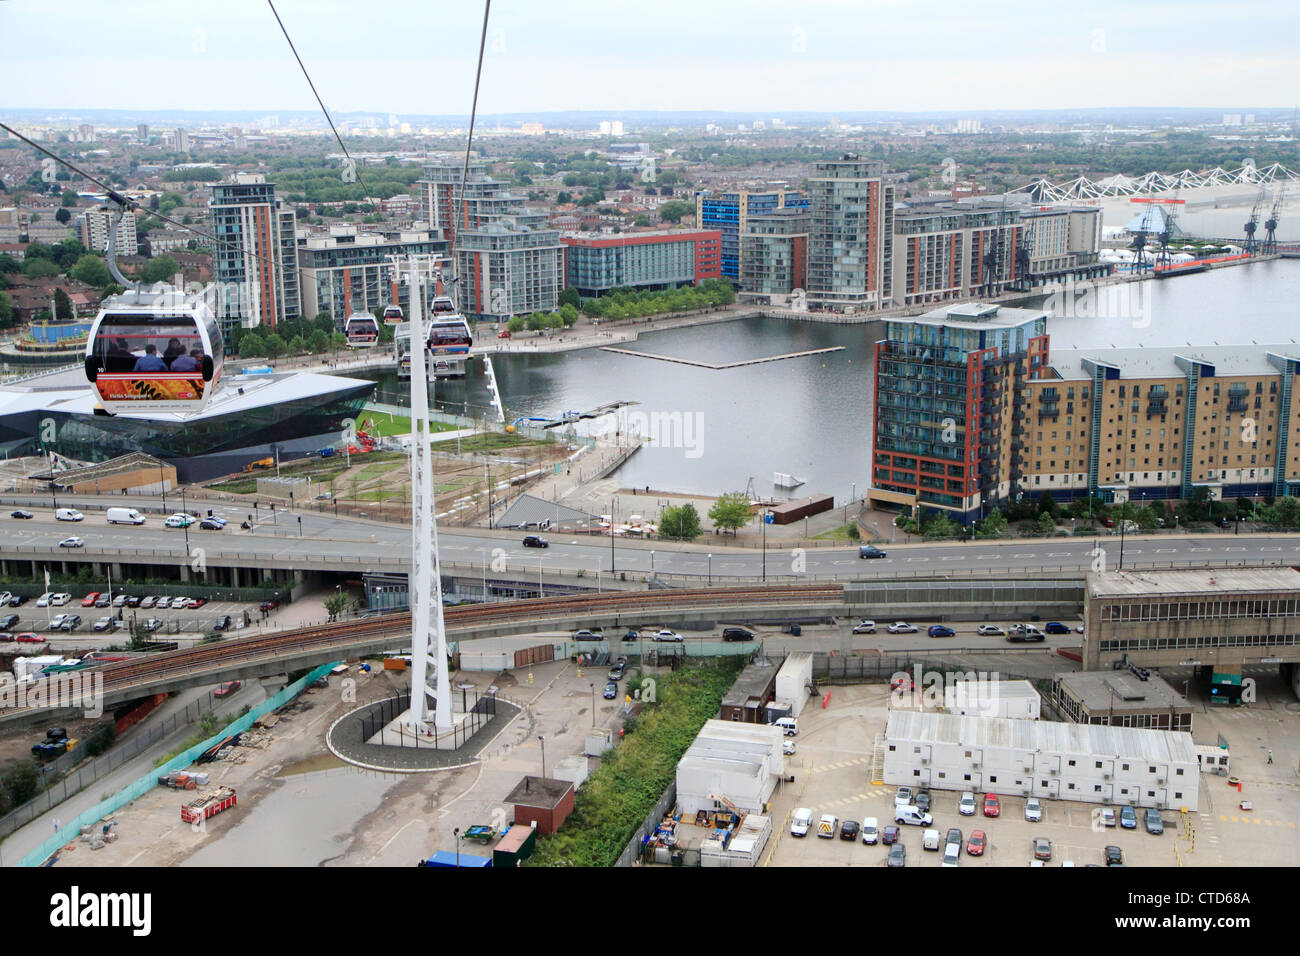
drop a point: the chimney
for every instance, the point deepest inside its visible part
(528, 784)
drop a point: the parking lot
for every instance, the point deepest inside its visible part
(833, 773)
(37, 620)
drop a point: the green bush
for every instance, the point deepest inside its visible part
(631, 778)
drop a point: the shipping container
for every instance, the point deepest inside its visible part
(208, 805)
(515, 847)
(452, 859)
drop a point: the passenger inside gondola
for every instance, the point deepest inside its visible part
(188, 363)
(119, 357)
(150, 361)
(174, 351)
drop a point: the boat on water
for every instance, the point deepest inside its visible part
(784, 480)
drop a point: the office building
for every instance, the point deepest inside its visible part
(255, 262)
(852, 221)
(348, 271)
(774, 256)
(181, 141)
(93, 228)
(953, 250)
(594, 263)
(1120, 698)
(729, 212)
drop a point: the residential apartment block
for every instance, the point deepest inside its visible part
(729, 213)
(256, 261)
(594, 263)
(348, 271)
(850, 259)
(93, 228)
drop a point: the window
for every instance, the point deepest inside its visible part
(1178, 772)
(1071, 763)
(966, 777)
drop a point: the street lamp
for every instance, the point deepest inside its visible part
(456, 833)
(762, 520)
(611, 536)
(652, 564)
(542, 741)
(710, 584)
(593, 706)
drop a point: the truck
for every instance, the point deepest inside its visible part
(208, 804)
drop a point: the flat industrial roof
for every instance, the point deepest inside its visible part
(1159, 363)
(1196, 583)
(995, 690)
(975, 315)
(1101, 690)
(753, 680)
(1040, 736)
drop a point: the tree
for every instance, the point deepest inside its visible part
(20, 781)
(641, 220)
(69, 198)
(993, 524)
(39, 268)
(9, 265)
(679, 523)
(296, 345)
(568, 296)
(1045, 523)
(1286, 512)
(318, 341)
(536, 321)
(516, 324)
(339, 604)
(731, 511)
(91, 270)
(6, 311)
(63, 216)
(62, 305)
(674, 210)
(563, 197)
(162, 269)
(568, 314)
(324, 321)
(275, 346)
(251, 345)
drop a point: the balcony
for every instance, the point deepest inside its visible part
(1049, 395)
(1157, 408)
(1049, 411)
(1237, 404)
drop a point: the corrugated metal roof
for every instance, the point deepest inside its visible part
(1202, 584)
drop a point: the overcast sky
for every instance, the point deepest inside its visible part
(743, 55)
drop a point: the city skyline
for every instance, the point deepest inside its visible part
(773, 59)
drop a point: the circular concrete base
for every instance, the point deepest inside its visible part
(344, 739)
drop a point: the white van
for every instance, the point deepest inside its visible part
(68, 514)
(124, 516)
(870, 831)
(800, 822)
(930, 840)
(912, 816)
(788, 725)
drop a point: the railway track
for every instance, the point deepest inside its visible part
(248, 650)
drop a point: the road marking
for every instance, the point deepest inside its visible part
(960, 557)
(1059, 554)
(1166, 550)
(1234, 549)
(1024, 555)
(910, 560)
(1204, 550)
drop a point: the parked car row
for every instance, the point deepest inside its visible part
(1018, 632)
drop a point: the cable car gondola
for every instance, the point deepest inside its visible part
(393, 315)
(362, 330)
(154, 351)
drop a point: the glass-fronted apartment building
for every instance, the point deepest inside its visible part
(729, 212)
(349, 271)
(849, 241)
(594, 263)
(255, 265)
(774, 261)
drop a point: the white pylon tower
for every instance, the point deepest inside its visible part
(429, 676)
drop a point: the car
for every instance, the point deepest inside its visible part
(104, 623)
(6, 637)
(1113, 856)
(228, 688)
(68, 514)
(870, 551)
(270, 605)
(586, 634)
(148, 602)
(922, 801)
(20, 513)
(864, 627)
(535, 541)
(849, 830)
(941, 630)
(954, 835)
(737, 634)
(120, 600)
(901, 627)
(162, 602)
(57, 621)
(631, 634)
(976, 844)
(619, 669)
(912, 817)
(1033, 810)
(179, 520)
(870, 831)
(103, 601)
(27, 637)
(18, 600)
(503, 334)
(222, 623)
(1056, 627)
(212, 524)
(70, 622)
(611, 690)
(951, 855)
(60, 599)
(44, 599)
(4, 598)
(1107, 816)
(787, 747)
(179, 603)
(667, 635)
(1109, 522)
(889, 835)
(990, 630)
(72, 543)
(800, 822)
(152, 624)
(1153, 822)
(133, 601)
(992, 806)
(1128, 818)
(194, 603)
(1042, 849)
(897, 855)
(8, 622)
(903, 797)
(966, 804)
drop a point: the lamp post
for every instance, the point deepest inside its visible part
(542, 741)
(710, 584)
(611, 536)
(762, 520)
(593, 706)
(652, 564)
(456, 833)
(483, 551)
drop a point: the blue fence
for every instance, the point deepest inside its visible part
(150, 780)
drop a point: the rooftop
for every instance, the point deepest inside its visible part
(1102, 690)
(1041, 736)
(1191, 583)
(976, 315)
(541, 792)
(1138, 363)
(753, 680)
